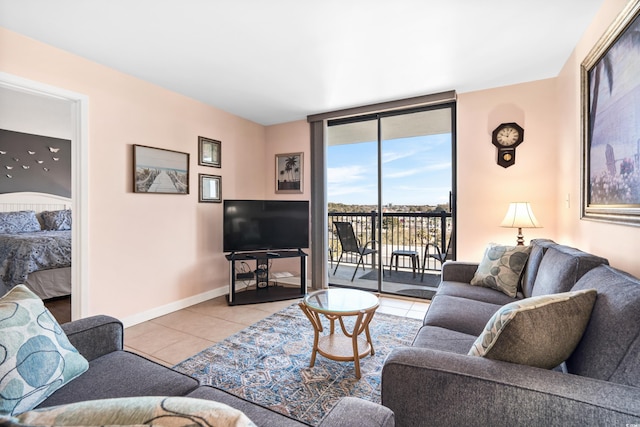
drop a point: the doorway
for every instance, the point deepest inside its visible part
(77, 109)
(392, 176)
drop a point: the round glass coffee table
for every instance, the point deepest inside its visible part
(335, 304)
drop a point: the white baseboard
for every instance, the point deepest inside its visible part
(174, 306)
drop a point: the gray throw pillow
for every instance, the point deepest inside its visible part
(18, 222)
(501, 268)
(538, 331)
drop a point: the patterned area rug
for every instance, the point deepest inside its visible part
(268, 364)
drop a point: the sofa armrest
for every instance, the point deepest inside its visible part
(95, 336)
(458, 271)
(421, 384)
(353, 412)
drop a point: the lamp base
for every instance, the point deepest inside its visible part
(520, 237)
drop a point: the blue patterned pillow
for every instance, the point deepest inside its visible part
(36, 357)
(501, 268)
(177, 411)
(18, 222)
(56, 220)
(539, 331)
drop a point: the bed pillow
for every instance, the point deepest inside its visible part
(56, 220)
(18, 222)
(538, 331)
(174, 411)
(36, 357)
(501, 268)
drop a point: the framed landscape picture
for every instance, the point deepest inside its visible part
(209, 152)
(210, 188)
(156, 170)
(610, 115)
(289, 173)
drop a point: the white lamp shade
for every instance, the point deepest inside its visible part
(520, 215)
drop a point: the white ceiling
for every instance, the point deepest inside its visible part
(280, 60)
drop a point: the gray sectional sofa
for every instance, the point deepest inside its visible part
(436, 382)
(115, 373)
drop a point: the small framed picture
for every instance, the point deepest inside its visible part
(289, 173)
(210, 152)
(210, 188)
(156, 170)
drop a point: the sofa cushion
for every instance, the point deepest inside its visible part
(538, 248)
(174, 411)
(442, 339)
(478, 293)
(501, 268)
(122, 374)
(36, 358)
(610, 347)
(561, 267)
(538, 331)
(460, 314)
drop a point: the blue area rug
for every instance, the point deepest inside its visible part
(268, 364)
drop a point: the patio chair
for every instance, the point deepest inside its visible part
(438, 255)
(351, 244)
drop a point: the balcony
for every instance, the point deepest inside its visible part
(410, 231)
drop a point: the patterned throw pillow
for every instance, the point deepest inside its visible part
(18, 222)
(56, 220)
(157, 410)
(538, 331)
(501, 268)
(36, 357)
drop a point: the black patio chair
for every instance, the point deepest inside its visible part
(351, 244)
(438, 255)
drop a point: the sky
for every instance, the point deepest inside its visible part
(415, 171)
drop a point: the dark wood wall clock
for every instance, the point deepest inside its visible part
(506, 138)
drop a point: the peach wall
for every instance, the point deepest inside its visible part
(486, 189)
(618, 243)
(146, 250)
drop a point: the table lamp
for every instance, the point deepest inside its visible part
(520, 216)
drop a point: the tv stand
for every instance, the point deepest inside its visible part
(264, 291)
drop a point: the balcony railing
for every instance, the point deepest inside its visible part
(400, 231)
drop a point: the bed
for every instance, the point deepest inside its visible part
(35, 243)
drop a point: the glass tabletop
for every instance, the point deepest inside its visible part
(341, 301)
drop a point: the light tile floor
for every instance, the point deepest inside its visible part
(172, 338)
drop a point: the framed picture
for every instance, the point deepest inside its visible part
(156, 170)
(610, 134)
(209, 152)
(210, 188)
(289, 173)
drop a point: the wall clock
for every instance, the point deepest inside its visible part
(506, 138)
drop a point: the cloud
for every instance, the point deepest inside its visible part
(347, 174)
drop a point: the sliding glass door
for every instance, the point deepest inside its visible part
(391, 176)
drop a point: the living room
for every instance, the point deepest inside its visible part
(175, 242)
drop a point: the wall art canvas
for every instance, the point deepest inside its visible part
(611, 113)
(289, 173)
(157, 170)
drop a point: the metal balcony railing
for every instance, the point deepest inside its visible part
(400, 231)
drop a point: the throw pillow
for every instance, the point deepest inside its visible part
(56, 220)
(18, 222)
(36, 357)
(538, 331)
(501, 268)
(157, 410)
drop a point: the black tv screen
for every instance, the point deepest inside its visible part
(255, 225)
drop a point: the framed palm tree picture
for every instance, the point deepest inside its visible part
(289, 173)
(610, 83)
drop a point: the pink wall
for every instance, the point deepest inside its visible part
(146, 250)
(485, 189)
(618, 243)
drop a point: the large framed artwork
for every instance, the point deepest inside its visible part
(610, 85)
(289, 173)
(156, 170)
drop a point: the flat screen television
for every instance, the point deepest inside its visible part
(259, 225)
